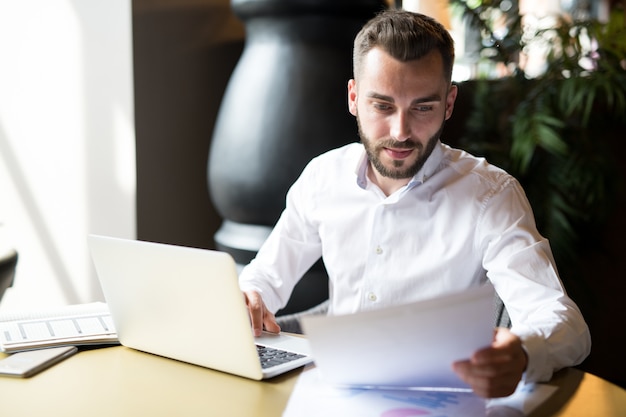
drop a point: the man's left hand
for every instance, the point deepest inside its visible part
(495, 371)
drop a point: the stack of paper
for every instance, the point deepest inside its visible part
(79, 324)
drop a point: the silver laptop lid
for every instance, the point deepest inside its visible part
(178, 302)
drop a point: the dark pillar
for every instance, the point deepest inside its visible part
(286, 102)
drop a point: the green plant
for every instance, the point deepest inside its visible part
(554, 131)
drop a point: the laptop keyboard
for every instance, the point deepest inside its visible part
(271, 356)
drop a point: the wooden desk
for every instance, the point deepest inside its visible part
(117, 381)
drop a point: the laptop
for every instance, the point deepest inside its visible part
(185, 304)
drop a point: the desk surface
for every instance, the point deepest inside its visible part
(117, 381)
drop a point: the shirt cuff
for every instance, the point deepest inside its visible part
(271, 303)
(537, 367)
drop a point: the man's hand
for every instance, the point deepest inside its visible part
(495, 371)
(260, 317)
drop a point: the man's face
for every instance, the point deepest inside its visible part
(400, 108)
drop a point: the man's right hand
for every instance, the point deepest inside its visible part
(260, 317)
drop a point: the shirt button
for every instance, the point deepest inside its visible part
(371, 296)
(379, 250)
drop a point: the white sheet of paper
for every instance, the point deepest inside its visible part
(311, 397)
(411, 345)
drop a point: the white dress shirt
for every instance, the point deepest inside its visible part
(457, 223)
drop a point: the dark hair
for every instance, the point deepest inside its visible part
(405, 36)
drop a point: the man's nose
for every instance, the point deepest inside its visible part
(400, 128)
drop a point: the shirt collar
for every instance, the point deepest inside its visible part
(361, 169)
(428, 170)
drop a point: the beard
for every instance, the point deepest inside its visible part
(400, 169)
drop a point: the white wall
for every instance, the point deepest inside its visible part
(67, 149)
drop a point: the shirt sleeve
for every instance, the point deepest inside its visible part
(290, 250)
(520, 264)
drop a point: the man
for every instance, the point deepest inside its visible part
(403, 217)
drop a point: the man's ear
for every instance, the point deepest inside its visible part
(352, 97)
(450, 99)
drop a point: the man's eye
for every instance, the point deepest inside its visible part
(423, 109)
(382, 106)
